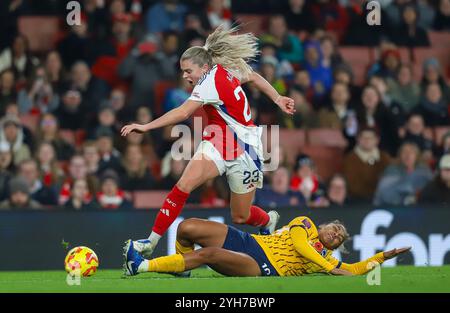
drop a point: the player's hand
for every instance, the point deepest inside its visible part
(138, 128)
(340, 272)
(286, 104)
(395, 252)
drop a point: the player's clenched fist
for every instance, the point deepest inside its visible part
(138, 128)
(286, 104)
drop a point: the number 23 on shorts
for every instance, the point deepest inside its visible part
(251, 177)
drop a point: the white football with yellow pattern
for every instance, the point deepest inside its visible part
(81, 261)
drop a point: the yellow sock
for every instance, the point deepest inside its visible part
(170, 263)
(180, 249)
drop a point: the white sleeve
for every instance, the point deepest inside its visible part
(205, 91)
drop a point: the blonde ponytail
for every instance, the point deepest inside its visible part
(230, 50)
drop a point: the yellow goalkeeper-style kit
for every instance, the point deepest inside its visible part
(296, 250)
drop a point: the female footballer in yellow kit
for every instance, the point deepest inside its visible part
(296, 249)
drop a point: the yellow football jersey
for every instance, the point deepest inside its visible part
(282, 254)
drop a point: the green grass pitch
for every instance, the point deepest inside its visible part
(398, 279)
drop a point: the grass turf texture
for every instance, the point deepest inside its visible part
(398, 279)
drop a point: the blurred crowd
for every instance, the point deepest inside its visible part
(109, 70)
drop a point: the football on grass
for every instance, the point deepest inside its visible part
(81, 261)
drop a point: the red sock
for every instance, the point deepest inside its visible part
(170, 209)
(258, 217)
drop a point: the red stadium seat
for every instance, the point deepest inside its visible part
(252, 23)
(160, 90)
(149, 199)
(31, 121)
(326, 137)
(359, 58)
(439, 39)
(440, 53)
(292, 140)
(328, 160)
(42, 32)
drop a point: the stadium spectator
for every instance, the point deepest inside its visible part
(218, 14)
(321, 76)
(118, 101)
(92, 157)
(77, 170)
(19, 196)
(51, 173)
(305, 179)
(332, 16)
(9, 15)
(343, 73)
(359, 32)
(434, 107)
(8, 92)
(400, 182)
(38, 96)
(93, 90)
(80, 199)
(388, 65)
(111, 196)
(137, 175)
(289, 46)
(336, 194)
(168, 55)
(173, 175)
(444, 146)
(299, 16)
(409, 33)
(7, 169)
(174, 97)
(55, 70)
(165, 15)
(404, 90)
(45, 195)
(76, 45)
(371, 113)
(303, 82)
(19, 59)
(442, 18)
(338, 110)
(433, 73)
(304, 116)
(106, 118)
(278, 194)
(110, 52)
(330, 55)
(11, 134)
(337, 191)
(70, 114)
(143, 69)
(109, 155)
(438, 190)
(414, 131)
(364, 165)
(48, 131)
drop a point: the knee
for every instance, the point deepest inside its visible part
(187, 228)
(209, 255)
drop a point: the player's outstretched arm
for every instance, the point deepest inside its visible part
(361, 268)
(172, 117)
(286, 104)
